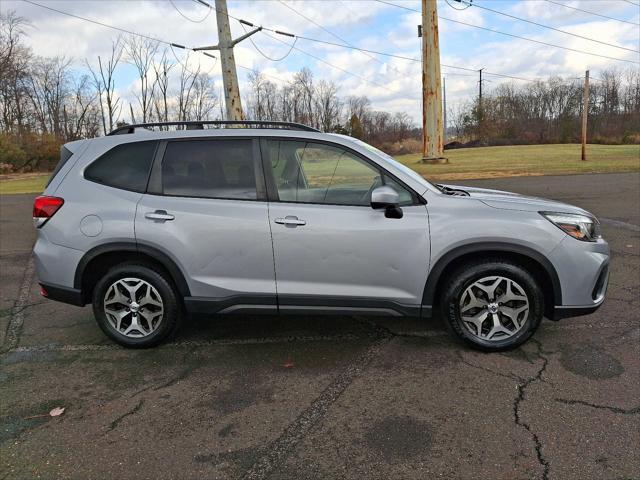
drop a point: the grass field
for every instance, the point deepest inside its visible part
(512, 161)
(482, 162)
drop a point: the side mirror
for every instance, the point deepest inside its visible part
(387, 198)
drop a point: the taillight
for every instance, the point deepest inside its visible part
(45, 207)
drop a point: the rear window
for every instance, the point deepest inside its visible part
(65, 155)
(210, 169)
(126, 166)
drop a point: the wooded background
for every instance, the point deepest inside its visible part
(47, 101)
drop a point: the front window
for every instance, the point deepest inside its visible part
(412, 173)
(307, 172)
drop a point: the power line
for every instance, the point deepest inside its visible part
(171, 44)
(148, 37)
(295, 40)
(189, 18)
(591, 13)
(548, 27)
(102, 24)
(540, 42)
(333, 66)
(632, 3)
(334, 35)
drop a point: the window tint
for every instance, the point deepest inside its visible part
(125, 166)
(316, 173)
(210, 169)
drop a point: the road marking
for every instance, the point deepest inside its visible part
(17, 312)
(619, 224)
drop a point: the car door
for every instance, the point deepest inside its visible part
(331, 249)
(206, 208)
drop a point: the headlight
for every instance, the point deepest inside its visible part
(581, 227)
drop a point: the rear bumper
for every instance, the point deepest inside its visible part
(58, 293)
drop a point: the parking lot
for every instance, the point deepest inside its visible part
(336, 397)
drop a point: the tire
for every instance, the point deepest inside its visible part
(156, 308)
(467, 297)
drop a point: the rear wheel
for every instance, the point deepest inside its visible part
(493, 305)
(136, 306)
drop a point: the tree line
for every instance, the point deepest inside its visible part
(551, 112)
(47, 101)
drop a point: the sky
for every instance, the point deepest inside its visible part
(392, 84)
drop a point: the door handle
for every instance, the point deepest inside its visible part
(159, 216)
(290, 221)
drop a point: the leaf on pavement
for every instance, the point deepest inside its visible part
(56, 412)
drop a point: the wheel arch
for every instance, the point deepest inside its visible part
(529, 258)
(99, 259)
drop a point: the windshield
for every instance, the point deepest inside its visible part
(412, 173)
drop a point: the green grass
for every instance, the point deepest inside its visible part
(482, 162)
(29, 183)
(490, 162)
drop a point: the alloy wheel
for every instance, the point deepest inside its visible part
(494, 308)
(133, 307)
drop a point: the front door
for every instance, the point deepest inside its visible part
(331, 249)
(207, 210)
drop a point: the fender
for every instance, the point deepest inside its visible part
(133, 247)
(457, 252)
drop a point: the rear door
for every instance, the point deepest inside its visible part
(206, 208)
(332, 250)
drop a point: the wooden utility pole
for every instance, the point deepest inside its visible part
(432, 127)
(228, 62)
(585, 114)
(444, 110)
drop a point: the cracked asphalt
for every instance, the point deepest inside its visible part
(315, 398)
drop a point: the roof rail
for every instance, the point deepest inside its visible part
(197, 125)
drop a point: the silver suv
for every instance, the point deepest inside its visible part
(157, 221)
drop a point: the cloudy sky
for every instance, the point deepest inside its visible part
(391, 83)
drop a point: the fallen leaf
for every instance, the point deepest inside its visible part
(629, 246)
(56, 412)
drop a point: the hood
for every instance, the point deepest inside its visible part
(515, 201)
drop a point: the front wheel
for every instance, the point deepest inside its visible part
(493, 305)
(136, 306)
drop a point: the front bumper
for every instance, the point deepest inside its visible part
(583, 269)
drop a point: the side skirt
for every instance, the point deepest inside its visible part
(303, 305)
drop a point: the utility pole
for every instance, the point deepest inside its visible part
(480, 107)
(444, 110)
(227, 60)
(432, 128)
(585, 114)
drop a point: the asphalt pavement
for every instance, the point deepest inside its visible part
(325, 398)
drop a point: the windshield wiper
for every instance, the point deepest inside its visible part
(452, 191)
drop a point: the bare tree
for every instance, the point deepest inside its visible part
(185, 87)
(204, 99)
(328, 105)
(140, 53)
(162, 69)
(104, 83)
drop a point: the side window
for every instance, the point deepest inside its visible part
(125, 166)
(308, 172)
(316, 173)
(210, 169)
